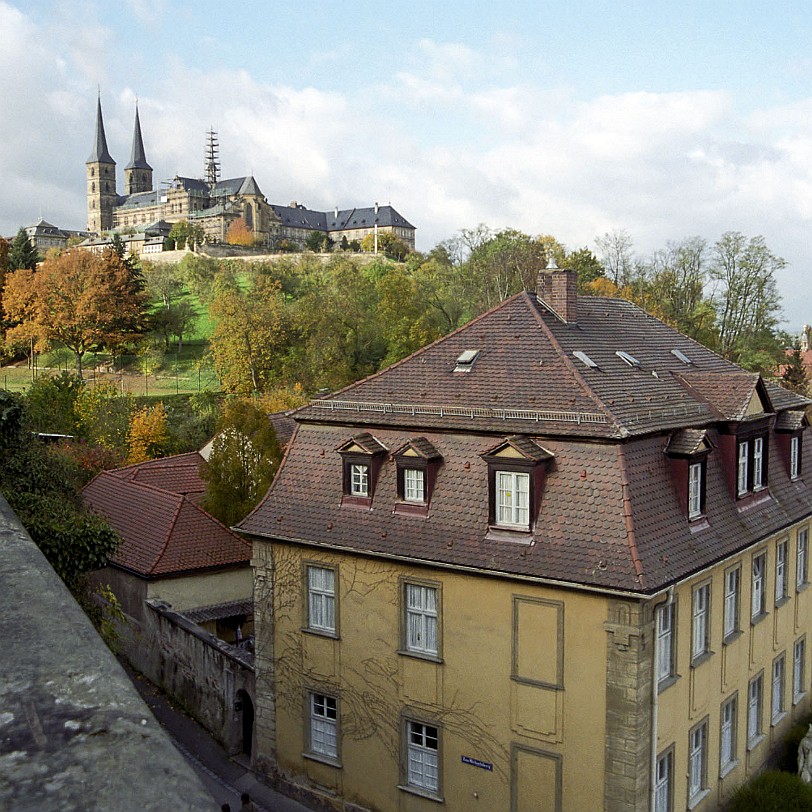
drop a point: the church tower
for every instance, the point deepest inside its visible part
(137, 173)
(101, 181)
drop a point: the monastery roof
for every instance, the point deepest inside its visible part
(162, 533)
(236, 186)
(345, 219)
(600, 422)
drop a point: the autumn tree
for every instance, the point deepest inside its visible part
(244, 458)
(22, 253)
(148, 435)
(199, 274)
(616, 254)
(104, 416)
(249, 330)
(184, 233)
(389, 245)
(239, 234)
(79, 299)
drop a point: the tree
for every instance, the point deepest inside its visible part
(615, 252)
(180, 234)
(388, 244)
(244, 458)
(586, 265)
(148, 436)
(22, 253)
(239, 234)
(250, 329)
(318, 242)
(104, 416)
(199, 274)
(50, 404)
(175, 320)
(794, 376)
(746, 298)
(78, 299)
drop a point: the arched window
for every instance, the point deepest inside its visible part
(92, 187)
(249, 215)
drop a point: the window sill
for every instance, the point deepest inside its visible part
(778, 718)
(422, 793)
(728, 768)
(755, 742)
(419, 655)
(322, 759)
(748, 501)
(798, 697)
(321, 633)
(362, 502)
(701, 658)
(517, 535)
(732, 637)
(411, 509)
(698, 523)
(802, 587)
(782, 601)
(667, 682)
(756, 619)
(697, 799)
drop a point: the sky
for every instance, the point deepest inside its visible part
(576, 119)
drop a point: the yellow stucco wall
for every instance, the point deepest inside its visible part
(701, 688)
(204, 589)
(556, 639)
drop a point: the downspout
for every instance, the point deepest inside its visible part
(655, 695)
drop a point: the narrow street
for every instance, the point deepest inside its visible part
(224, 778)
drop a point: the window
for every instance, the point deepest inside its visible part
(665, 642)
(422, 756)
(752, 465)
(727, 736)
(798, 669)
(778, 688)
(732, 598)
(513, 499)
(664, 782)
(321, 599)
(697, 760)
(795, 457)
(754, 695)
(780, 571)
(695, 490)
(758, 463)
(700, 643)
(323, 725)
(359, 480)
(421, 619)
(744, 454)
(802, 558)
(414, 485)
(758, 605)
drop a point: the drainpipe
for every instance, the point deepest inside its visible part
(655, 696)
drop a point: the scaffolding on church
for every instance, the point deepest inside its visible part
(212, 157)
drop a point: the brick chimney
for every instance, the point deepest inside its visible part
(558, 289)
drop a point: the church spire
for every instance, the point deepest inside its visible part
(100, 154)
(138, 160)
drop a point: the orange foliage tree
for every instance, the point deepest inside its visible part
(78, 299)
(239, 234)
(148, 436)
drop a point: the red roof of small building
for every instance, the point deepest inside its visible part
(177, 474)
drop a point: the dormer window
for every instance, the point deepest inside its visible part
(688, 450)
(751, 469)
(516, 471)
(789, 428)
(417, 464)
(362, 458)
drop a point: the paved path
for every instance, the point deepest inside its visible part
(223, 777)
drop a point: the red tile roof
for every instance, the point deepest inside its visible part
(177, 474)
(162, 533)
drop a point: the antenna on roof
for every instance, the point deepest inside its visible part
(212, 158)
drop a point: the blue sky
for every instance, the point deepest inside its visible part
(574, 119)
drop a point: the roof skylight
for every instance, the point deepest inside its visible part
(629, 359)
(682, 356)
(585, 359)
(466, 360)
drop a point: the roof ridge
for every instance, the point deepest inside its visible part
(628, 518)
(171, 528)
(214, 519)
(569, 364)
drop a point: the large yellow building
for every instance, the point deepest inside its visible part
(557, 560)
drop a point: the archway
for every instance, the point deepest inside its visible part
(247, 718)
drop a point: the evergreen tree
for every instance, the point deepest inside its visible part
(794, 375)
(22, 254)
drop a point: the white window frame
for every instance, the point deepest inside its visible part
(700, 629)
(422, 756)
(422, 610)
(781, 571)
(663, 782)
(359, 479)
(794, 457)
(727, 734)
(414, 485)
(755, 693)
(512, 499)
(777, 694)
(758, 595)
(798, 670)
(758, 463)
(324, 725)
(321, 599)
(697, 760)
(695, 490)
(802, 558)
(744, 454)
(665, 641)
(732, 601)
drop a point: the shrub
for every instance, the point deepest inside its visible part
(772, 791)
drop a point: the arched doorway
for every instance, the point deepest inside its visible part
(247, 718)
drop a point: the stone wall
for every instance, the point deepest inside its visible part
(209, 678)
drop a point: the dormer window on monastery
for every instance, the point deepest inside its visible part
(688, 450)
(362, 458)
(417, 464)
